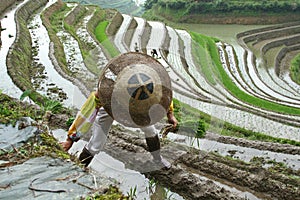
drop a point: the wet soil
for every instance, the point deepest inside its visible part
(189, 166)
(269, 146)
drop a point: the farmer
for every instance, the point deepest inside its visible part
(136, 47)
(154, 53)
(134, 89)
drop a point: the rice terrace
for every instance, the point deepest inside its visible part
(235, 76)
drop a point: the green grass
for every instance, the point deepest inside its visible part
(295, 69)
(100, 32)
(202, 57)
(11, 111)
(219, 73)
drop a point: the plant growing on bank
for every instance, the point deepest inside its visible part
(44, 103)
(132, 193)
(112, 193)
(11, 110)
(43, 144)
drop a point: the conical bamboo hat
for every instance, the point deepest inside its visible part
(135, 89)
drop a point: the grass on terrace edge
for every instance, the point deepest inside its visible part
(295, 69)
(53, 22)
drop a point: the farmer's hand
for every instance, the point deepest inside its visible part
(67, 144)
(172, 119)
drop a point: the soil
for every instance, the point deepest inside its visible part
(189, 165)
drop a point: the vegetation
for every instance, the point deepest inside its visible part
(44, 103)
(11, 111)
(203, 58)
(295, 69)
(228, 6)
(181, 10)
(111, 194)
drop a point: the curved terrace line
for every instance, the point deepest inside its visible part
(268, 42)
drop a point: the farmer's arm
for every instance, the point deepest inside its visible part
(83, 121)
(170, 115)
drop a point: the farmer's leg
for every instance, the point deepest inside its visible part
(97, 141)
(153, 143)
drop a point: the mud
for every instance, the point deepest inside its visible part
(189, 165)
(269, 146)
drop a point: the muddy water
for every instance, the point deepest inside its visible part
(242, 194)
(41, 40)
(110, 167)
(238, 152)
(8, 36)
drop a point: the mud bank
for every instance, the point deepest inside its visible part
(189, 166)
(269, 146)
(19, 58)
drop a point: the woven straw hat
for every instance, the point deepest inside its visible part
(135, 89)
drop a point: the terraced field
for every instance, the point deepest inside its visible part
(246, 91)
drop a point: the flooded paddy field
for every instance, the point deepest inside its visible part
(216, 166)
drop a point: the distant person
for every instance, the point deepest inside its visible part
(154, 53)
(136, 48)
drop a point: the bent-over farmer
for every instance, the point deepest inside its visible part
(135, 90)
